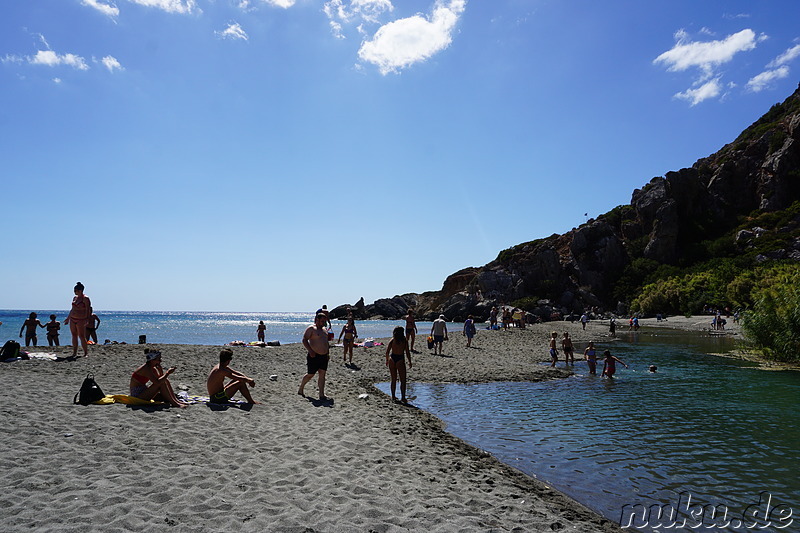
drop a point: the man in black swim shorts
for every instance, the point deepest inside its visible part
(315, 339)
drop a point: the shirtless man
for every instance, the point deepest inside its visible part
(315, 339)
(30, 326)
(218, 392)
(411, 329)
(91, 328)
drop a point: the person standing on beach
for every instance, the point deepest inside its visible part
(324, 310)
(411, 328)
(91, 328)
(161, 389)
(218, 392)
(52, 330)
(439, 332)
(493, 318)
(396, 354)
(612, 327)
(30, 325)
(584, 320)
(566, 346)
(553, 349)
(261, 331)
(350, 333)
(469, 329)
(315, 339)
(77, 319)
(610, 364)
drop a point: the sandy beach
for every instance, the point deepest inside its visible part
(291, 464)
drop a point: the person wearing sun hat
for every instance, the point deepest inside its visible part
(160, 389)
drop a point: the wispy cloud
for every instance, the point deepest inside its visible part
(233, 31)
(710, 89)
(109, 10)
(52, 59)
(402, 43)
(170, 6)
(111, 63)
(285, 4)
(705, 55)
(776, 69)
(342, 12)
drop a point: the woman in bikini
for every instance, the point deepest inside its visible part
(78, 318)
(590, 354)
(350, 333)
(396, 354)
(160, 389)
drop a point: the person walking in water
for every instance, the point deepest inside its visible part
(610, 364)
(77, 319)
(566, 346)
(30, 326)
(590, 354)
(315, 340)
(396, 354)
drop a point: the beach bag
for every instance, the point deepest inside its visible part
(430, 342)
(10, 350)
(90, 392)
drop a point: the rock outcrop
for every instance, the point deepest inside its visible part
(664, 222)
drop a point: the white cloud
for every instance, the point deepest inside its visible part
(233, 31)
(10, 58)
(404, 42)
(52, 59)
(285, 4)
(170, 6)
(787, 57)
(340, 12)
(57, 80)
(710, 89)
(110, 10)
(111, 63)
(765, 79)
(705, 55)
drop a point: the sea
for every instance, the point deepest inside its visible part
(207, 328)
(703, 430)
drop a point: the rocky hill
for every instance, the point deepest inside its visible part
(684, 218)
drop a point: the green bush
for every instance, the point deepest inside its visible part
(773, 325)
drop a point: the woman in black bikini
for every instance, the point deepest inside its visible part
(396, 354)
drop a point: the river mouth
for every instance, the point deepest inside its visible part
(711, 428)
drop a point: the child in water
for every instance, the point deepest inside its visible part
(610, 364)
(396, 354)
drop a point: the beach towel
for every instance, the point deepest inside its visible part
(108, 399)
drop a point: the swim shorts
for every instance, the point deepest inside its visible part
(318, 362)
(438, 338)
(553, 353)
(220, 397)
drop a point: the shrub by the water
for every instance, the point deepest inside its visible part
(773, 325)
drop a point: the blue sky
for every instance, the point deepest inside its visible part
(275, 155)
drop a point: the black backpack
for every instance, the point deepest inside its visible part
(10, 350)
(90, 392)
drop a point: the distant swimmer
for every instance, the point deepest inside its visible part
(315, 340)
(30, 325)
(653, 368)
(218, 391)
(396, 354)
(53, 328)
(610, 364)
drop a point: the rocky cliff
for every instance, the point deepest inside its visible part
(669, 221)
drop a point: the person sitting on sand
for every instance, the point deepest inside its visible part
(52, 330)
(610, 364)
(590, 354)
(439, 332)
(315, 339)
(350, 333)
(566, 346)
(261, 331)
(30, 325)
(396, 353)
(553, 349)
(218, 391)
(160, 389)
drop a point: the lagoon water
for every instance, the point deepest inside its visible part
(715, 428)
(215, 329)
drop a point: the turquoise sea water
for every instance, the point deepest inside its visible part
(215, 329)
(714, 428)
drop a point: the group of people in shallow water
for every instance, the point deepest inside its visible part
(589, 354)
(82, 322)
